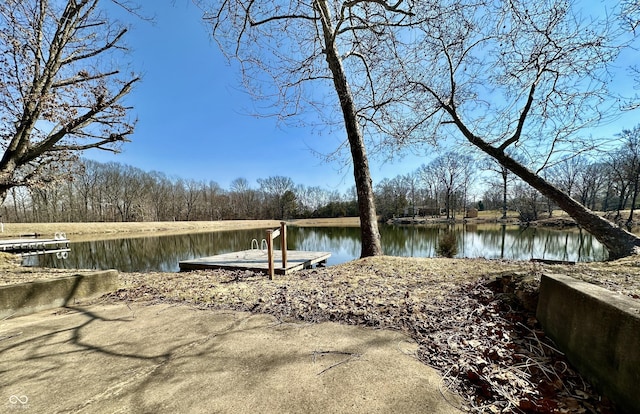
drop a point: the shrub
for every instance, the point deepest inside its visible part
(528, 214)
(447, 244)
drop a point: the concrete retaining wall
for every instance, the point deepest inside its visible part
(600, 333)
(26, 298)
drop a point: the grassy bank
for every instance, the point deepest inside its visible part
(85, 231)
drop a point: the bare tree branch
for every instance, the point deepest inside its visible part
(519, 75)
(61, 95)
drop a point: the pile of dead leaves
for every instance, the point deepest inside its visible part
(499, 359)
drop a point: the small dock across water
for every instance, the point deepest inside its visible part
(258, 261)
(24, 245)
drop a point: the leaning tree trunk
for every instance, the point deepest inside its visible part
(370, 237)
(619, 242)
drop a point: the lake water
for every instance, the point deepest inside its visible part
(162, 253)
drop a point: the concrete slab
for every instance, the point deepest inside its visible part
(25, 298)
(599, 331)
(166, 359)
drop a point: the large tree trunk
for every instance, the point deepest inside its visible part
(504, 193)
(7, 170)
(370, 237)
(619, 242)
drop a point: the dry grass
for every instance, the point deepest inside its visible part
(131, 228)
(379, 278)
(497, 214)
(620, 276)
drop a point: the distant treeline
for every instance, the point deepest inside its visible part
(118, 192)
(451, 183)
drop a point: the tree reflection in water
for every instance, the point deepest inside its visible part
(162, 253)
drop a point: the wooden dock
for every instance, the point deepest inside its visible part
(25, 245)
(258, 260)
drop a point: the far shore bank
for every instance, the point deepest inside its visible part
(109, 230)
(87, 231)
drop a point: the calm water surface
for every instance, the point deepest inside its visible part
(162, 253)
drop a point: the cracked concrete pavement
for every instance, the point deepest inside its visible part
(160, 358)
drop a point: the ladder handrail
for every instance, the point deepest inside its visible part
(271, 236)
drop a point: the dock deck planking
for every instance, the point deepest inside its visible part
(257, 260)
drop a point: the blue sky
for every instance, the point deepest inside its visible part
(193, 120)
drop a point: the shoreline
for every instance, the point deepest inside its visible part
(91, 230)
(107, 230)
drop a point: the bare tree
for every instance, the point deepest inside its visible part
(618, 181)
(299, 54)
(86, 179)
(159, 193)
(193, 190)
(631, 160)
(527, 202)
(244, 199)
(410, 182)
(630, 13)
(566, 173)
(431, 185)
(492, 165)
(278, 191)
(515, 76)
(391, 197)
(591, 180)
(452, 171)
(19, 209)
(311, 199)
(60, 89)
(212, 194)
